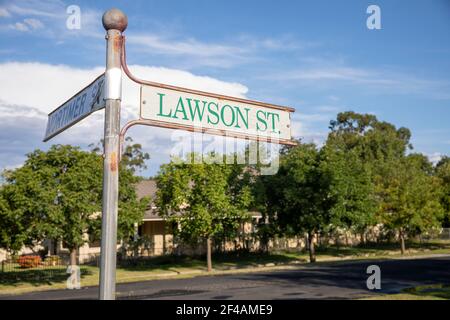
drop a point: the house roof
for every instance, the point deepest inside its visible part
(147, 188)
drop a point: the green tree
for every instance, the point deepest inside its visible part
(202, 199)
(410, 198)
(442, 171)
(299, 194)
(350, 153)
(56, 192)
(13, 228)
(376, 141)
(351, 188)
(57, 195)
(378, 145)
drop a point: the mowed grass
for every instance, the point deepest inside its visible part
(374, 251)
(18, 280)
(428, 292)
(26, 280)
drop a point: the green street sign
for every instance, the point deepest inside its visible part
(192, 110)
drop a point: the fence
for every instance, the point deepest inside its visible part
(32, 268)
(445, 234)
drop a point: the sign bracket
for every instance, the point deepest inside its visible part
(192, 91)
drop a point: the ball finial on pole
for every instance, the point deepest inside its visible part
(115, 19)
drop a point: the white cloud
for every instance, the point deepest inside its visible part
(187, 79)
(46, 86)
(16, 111)
(435, 157)
(19, 26)
(329, 108)
(185, 51)
(42, 86)
(21, 132)
(27, 25)
(314, 117)
(380, 79)
(35, 14)
(304, 124)
(303, 129)
(222, 54)
(340, 73)
(334, 98)
(35, 8)
(34, 23)
(4, 13)
(188, 46)
(192, 51)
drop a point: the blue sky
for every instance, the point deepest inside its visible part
(316, 56)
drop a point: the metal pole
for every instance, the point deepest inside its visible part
(115, 22)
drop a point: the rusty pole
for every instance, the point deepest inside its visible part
(114, 22)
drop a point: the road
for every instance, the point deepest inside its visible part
(343, 280)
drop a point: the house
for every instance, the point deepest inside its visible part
(154, 227)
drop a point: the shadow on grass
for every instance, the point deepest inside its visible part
(224, 260)
(164, 263)
(242, 258)
(245, 258)
(37, 277)
(380, 248)
(432, 291)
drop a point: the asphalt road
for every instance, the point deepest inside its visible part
(343, 280)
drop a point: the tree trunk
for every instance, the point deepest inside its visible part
(73, 257)
(337, 241)
(312, 250)
(208, 254)
(363, 241)
(402, 242)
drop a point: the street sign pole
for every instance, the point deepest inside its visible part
(115, 22)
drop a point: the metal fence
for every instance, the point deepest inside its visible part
(32, 268)
(445, 234)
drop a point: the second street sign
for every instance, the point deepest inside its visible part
(78, 107)
(216, 114)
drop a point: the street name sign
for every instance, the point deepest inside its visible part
(181, 108)
(82, 104)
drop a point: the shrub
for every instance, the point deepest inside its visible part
(29, 261)
(52, 261)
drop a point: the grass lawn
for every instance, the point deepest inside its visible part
(18, 280)
(428, 292)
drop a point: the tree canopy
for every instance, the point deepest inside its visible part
(57, 195)
(203, 199)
